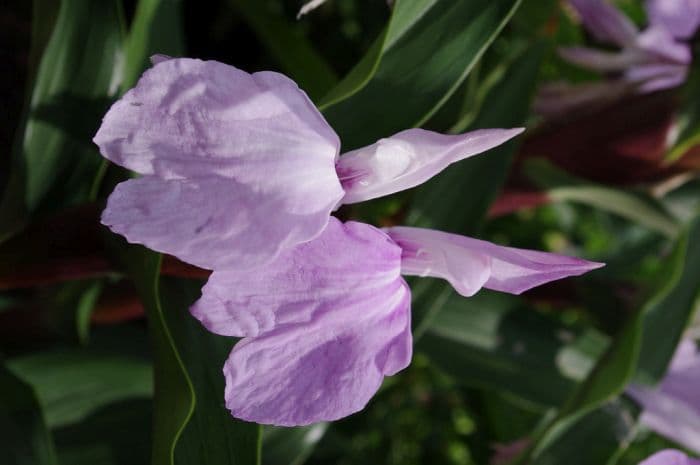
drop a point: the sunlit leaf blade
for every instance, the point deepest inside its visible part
(405, 13)
(638, 207)
(54, 161)
(73, 383)
(427, 63)
(24, 437)
(212, 436)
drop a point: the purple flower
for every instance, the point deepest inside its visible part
(237, 167)
(670, 457)
(325, 321)
(650, 60)
(673, 408)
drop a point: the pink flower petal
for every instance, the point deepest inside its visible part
(212, 224)
(469, 264)
(673, 409)
(255, 137)
(326, 322)
(324, 370)
(338, 269)
(670, 457)
(599, 60)
(661, 47)
(680, 17)
(605, 22)
(408, 159)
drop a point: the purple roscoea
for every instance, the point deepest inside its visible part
(236, 167)
(650, 60)
(654, 59)
(673, 408)
(325, 321)
(670, 457)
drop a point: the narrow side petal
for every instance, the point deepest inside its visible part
(336, 270)
(476, 262)
(408, 159)
(599, 60)
(670, 457)
(303, 374)
(215, 223)
(680, 17)
(605, 22)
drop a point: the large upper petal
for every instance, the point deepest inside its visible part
(408, 159)
(605, 22)
(468, 264)
(670, 457)
(256, 137)
(673, 408)
(188, 118)
(680, 17)
(325, 322)
(211, 223)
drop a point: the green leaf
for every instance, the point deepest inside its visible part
(116, 434)
(212, 436)
(492, 342)
(669, 312)
(688, 125)
(599, 438)
(25, 440)
(191, 423)
(287, 44)
(637, 207)
(157, 28)
(470, 186)
(678, 293)
(73, 383)
(54, 161)
(291, 446)
(425, 55)
(174, 397)
(405, 14)
(457, 199)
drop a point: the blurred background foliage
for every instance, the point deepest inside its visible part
(100, 361)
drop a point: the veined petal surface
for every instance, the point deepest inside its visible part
(212, 223)
(249, 147)
(409, 158)
(324, 323)
(468, 264)
(324, 370)
(341, 267)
